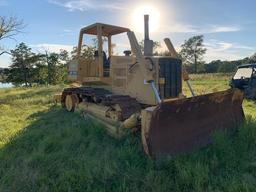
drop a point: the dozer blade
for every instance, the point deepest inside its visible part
(182, 125)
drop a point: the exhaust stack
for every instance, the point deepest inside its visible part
(148, 44)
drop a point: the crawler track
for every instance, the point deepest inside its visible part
(125, 104)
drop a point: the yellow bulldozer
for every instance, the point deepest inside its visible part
(140, 90)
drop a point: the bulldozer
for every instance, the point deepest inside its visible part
(143, 91)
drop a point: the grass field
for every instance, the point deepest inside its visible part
(44, 148)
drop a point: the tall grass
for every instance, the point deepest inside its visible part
(44, 148)
(208, 83)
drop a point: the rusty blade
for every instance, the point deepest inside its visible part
(185, 124)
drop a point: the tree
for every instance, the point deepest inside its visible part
(64, 55)
(213, 66)
(52, 60)
(228, 66)
(3, 72)
(56, 66)
(95, 41)
(9, 27)
(253, 58)
(86, 52)
(192, 51)
(40, 73)
(23, 60)
(28, 68)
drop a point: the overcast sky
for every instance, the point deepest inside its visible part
(228, 26)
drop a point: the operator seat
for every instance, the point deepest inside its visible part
(106, 63)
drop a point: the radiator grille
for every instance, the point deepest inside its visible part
(171, 71)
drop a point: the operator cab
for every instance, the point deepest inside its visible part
(95, 67)
(244, 77)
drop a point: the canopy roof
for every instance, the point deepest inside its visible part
(107, 30)
(248, 65)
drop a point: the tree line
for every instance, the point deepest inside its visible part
(46, 68)
(30, 68)
(192, 54)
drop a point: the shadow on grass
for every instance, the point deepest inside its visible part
(61, 151)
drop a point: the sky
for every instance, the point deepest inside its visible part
(228, 26)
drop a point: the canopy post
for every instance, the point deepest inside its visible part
(109, 46)
(100, 49)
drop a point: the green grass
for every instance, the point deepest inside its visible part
(44, 148)
(207, 83)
